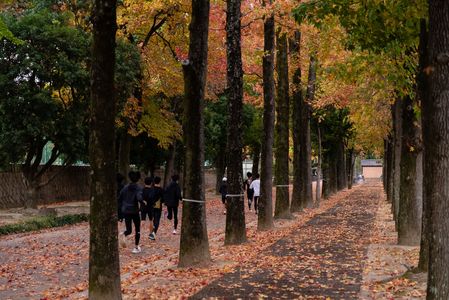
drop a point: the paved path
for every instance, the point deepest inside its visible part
(322, 259)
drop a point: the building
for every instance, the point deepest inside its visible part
(371, 168)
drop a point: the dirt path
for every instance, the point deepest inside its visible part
(322, 259)
(318, 253)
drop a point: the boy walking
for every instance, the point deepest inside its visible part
(129, 199)
(172, 196)
(249, 191)
(224, 191)
(156, 199)
(255, 185)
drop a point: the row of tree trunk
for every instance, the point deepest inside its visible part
(416, 154)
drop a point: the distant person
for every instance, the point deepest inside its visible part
(156, 199)
(129, 199)
(249, 191)
(120, 185)
(224, 191)
(172, 196)
(147, 209)
(255, 185)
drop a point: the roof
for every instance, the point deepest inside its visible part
(371, 163)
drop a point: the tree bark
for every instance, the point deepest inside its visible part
(305, 151)
(350, 167)
(265, 216)
(436, 142)
(410, 203)
(194, 244)
(296, 204)
(220, 169)
(397, 129)
(326, 176)
(318, 168)
(104, 266)
(341, 167)
(256, 160)
(170, 166)
(390, 163)
(422, 92)
(282, 205)
(235, 232)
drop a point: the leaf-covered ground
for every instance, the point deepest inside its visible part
(319, 254)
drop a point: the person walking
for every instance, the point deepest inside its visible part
(156, 199)
(224, 191)
(147, 209)
(255, 185)
(129, 200)
(249, 191)
(172, 196)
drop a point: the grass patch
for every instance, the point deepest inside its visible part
(39, 223)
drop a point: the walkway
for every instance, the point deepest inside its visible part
(322, 259)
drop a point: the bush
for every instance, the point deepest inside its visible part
(42, 223)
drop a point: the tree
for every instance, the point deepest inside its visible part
(282, 207)
(436, 140)
(265, 217)
(44, 80)
(104, 270)
(194, 246)
(235, 232)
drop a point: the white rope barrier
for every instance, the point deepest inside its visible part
(192, 200)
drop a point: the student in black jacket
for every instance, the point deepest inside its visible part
(147, 208)
(156, 199)
(129, 199)
(172, 196)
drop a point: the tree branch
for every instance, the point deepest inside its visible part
(167, 43)
(154, 28)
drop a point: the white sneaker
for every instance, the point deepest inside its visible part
(136, 249)
(224, 212)
(152, 236)
(122, 240)
(174, 231)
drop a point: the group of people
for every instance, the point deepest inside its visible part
(136, 203)
(252, 187)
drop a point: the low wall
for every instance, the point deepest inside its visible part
(72, 184)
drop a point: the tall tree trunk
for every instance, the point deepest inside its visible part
(410, 204)
(350, 166)
(341, 166)
(265, 217)
(256, 160)
(333, 174)
(170, 166)
(282, 206)
(326, 176)
(390, 164)
(318, 168)
(305, 151)
(235, 232)
(397, 129)
(124, 150)
(296, 204)
(384, 165)
(436, 143)
(422, 88)
(104, 266)
(194, 245)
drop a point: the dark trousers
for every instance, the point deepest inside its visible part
(256, 201)
(129, 219)
(173, 212)
(157, 212)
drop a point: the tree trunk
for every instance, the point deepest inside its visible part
(104, 266)
(124, 153)
(296, 204)
(341, 167)
(305, 151)
(410, 204)
(265, 217)
(194, 245)
(397, 128)
(326, 176)
(170, 166)
(350, 167)
(436, 142)
(256, 160)
(422, 92)
(390, 163)
(32, 195)
(318, 168)
(333, 174)
(235, 232)
(282, 205)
